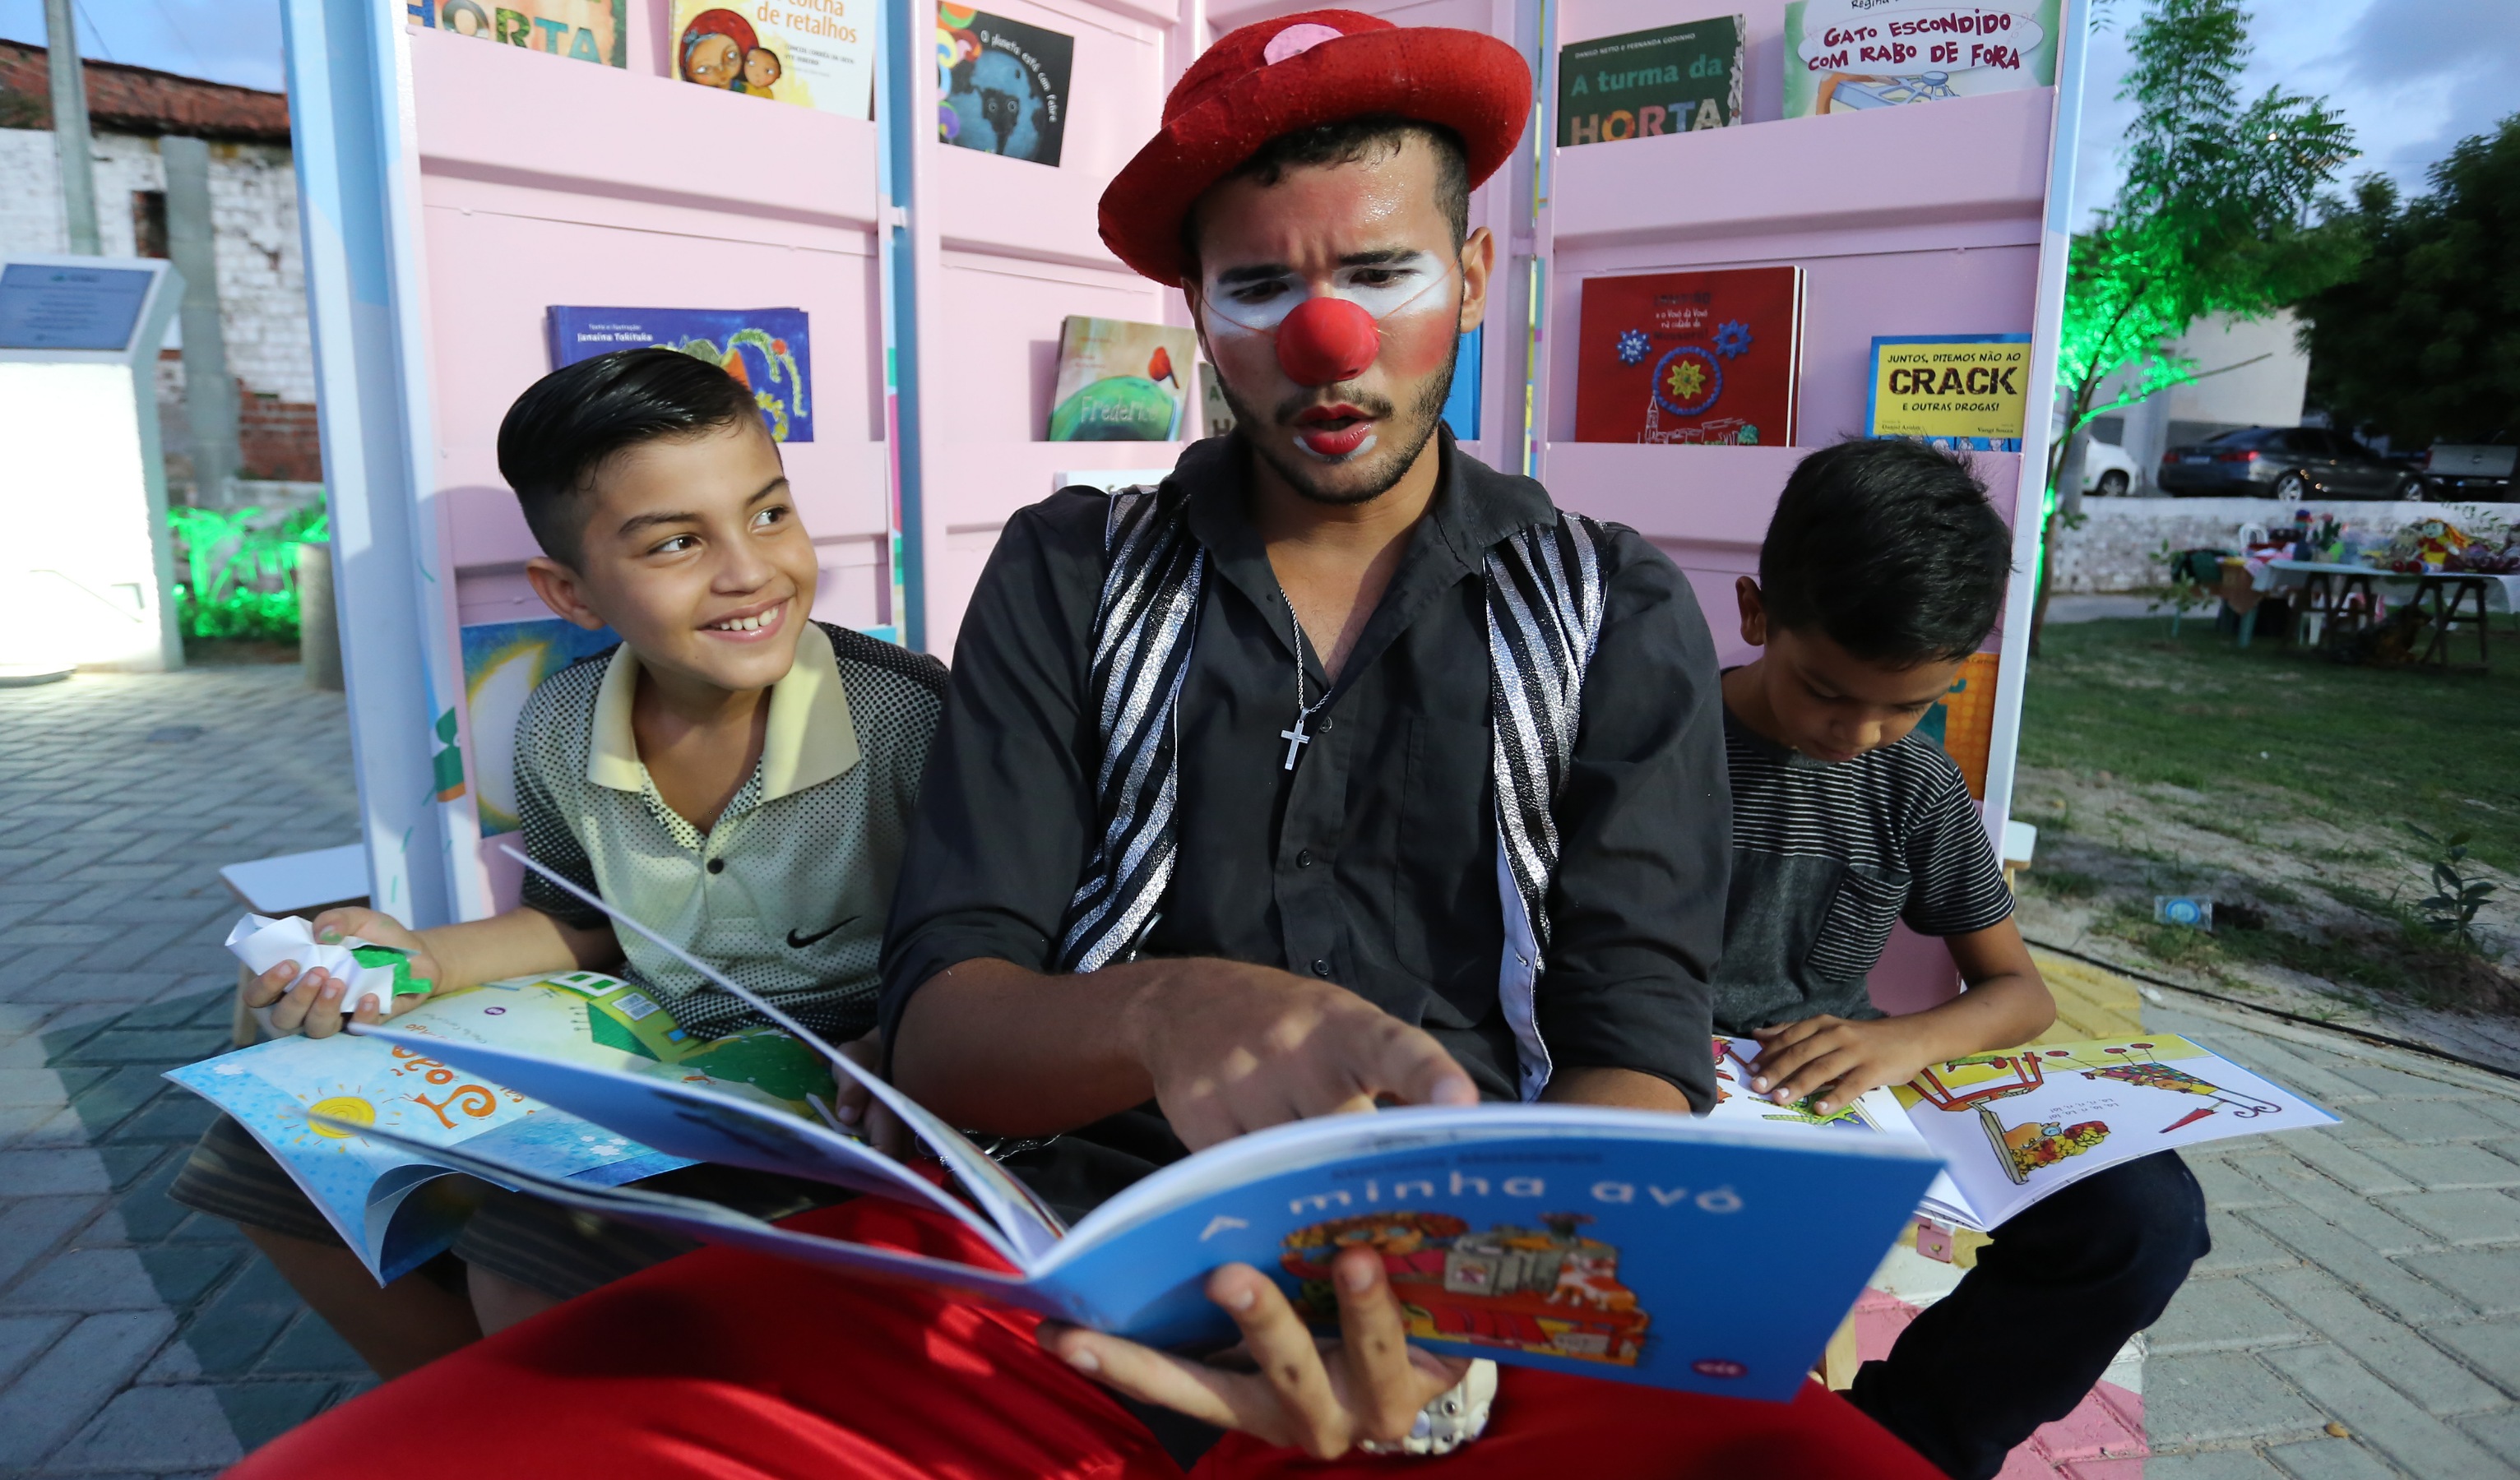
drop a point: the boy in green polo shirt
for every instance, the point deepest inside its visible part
(736, 776)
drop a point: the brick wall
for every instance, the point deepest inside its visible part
(262, 284)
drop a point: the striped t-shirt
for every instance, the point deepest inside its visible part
(1827, 857)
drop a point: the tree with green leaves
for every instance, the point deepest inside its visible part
(2214, 218)
(2423, 343)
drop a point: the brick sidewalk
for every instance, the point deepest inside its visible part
(136, 1338)
(2366, 1277)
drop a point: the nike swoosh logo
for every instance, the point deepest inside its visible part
(800, 942)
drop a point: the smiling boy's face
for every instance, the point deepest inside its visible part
(692, 552)
(1826, 702)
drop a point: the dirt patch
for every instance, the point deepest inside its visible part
(2312, 914)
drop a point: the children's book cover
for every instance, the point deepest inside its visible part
(1671, 79)
(1002, 85)
(811, 53)
(584, 31)
(766, 348)
(1709, 357)
(503, 664)
(1855, 55)
(1120, 381)
(1961, 392)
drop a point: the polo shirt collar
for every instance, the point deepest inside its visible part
(810, 739)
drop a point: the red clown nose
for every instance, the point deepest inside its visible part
(1326, 341)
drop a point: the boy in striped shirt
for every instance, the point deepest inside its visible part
(1884, 568)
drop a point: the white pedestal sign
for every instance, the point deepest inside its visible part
(87, 569)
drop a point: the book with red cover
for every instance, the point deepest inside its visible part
(1708, 357)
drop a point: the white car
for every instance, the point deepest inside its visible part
(2107, 471)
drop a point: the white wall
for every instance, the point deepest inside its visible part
(2250, 375)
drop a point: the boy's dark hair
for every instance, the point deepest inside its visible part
(1890, 548)
(1353, 141)
(570, 423)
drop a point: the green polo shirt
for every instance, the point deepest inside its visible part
(788, 892)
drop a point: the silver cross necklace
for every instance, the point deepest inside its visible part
(1296, 740)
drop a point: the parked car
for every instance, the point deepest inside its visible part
(2287, 463)
(2468, 470)
(2108, 471)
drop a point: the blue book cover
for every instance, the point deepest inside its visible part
(1585, 1241)
(766, 348)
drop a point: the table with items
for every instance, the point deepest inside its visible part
(2338, 602)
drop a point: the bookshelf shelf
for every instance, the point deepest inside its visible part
(1719, 496)
(1970, 160)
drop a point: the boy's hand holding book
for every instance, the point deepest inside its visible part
(311, 1002)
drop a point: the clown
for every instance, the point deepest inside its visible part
(1334, 770)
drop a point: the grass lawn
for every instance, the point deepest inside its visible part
(2364, 748)
(2284, 787)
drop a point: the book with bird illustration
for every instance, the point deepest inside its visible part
(1120, 381)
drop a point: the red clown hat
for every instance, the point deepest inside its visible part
(1295, 72)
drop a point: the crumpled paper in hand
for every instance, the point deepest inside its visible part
(374, 972)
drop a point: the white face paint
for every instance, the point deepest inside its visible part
(1258, 305)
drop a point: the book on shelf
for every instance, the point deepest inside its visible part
(1002, 85)
(582, 30)
(1709, 357)
(1859, 56)
(2019, 1125)
(1671, 79)
(378, 1195)
(768, 349)
(1961, 392)
(1122, 381)
(784, 53)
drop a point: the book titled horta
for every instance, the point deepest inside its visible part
(1671, 79)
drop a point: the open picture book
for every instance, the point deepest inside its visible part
(1591, 1240)
(382, 1196)
(2016, 1125)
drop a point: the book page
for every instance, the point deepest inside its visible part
(2019, 1125)
(577, 1016)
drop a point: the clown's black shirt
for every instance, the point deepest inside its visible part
(1374, 862)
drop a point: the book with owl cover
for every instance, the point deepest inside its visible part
(1710, 357)
(375, 1195)
(2019, 1125)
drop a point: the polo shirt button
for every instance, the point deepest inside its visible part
(1321, 967)
(717, 866)
(1304, 858)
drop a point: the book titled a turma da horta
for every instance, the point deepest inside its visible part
(1671, 79)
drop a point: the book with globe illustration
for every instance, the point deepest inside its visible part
(1120, 381)
(1571, 1238)
(768, 349)
(1710, 357)
(2019, 1125)
(383, 1198)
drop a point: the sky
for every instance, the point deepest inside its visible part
(2413, 77)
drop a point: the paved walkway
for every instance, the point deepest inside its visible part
(2359, 1316)
(136, 1338)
